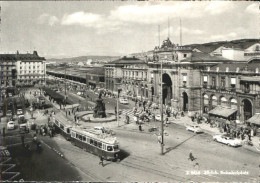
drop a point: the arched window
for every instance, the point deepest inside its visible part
(223, 101)
(214, 101)
(206, 99)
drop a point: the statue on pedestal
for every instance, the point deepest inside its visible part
(99, 109)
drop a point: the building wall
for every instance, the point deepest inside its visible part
(29, 72)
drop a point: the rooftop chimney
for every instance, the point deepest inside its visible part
(35, 53)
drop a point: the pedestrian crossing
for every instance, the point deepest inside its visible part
(128, 112)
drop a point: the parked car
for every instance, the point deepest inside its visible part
(10, 125)
(155, 106)
(9, 113)
(21, 119)
(194, 128)
(225, 139)
(23, 128)
(19, 111)
(123, 101)
(153, 129)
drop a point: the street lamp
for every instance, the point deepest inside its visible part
(117, 104)
(162, 136)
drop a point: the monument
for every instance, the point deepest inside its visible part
(99, 109)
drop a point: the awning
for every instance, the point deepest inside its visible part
(222, 111)
(255, 119)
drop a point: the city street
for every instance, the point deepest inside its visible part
(140, 157)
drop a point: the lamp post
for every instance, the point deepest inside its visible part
(162, 136)
(117, 106)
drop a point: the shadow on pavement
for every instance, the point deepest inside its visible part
(123, 154)
(169, 149)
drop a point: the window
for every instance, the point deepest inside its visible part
(73, 134)
(99, 144)
(233, 82)
(109, 148)
(184, 78)
(80, 137)
(184, 55)
(62, 127)
(223, 82)
(257, 48)
(84, 138)
(213, 80)
(68, 130)
(95, 143)
(205, 78)
(21, 67)
(91, 141)
(116, 147)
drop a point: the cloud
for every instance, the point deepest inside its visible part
(218, 7)
(220, 37)
(176, 31)
(253, 8)
(49, 19)
(150, 14)
(82, 18)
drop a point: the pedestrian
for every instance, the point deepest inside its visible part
(66, 113)
(3, 131)
(140, 127)
(75, 118)
(191, 157)
(101, 161)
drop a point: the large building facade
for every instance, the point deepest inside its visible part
(193, 78)
(21, 69)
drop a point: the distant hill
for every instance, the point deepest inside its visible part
(84, 58)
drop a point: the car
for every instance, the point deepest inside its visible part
(153, 129)
(155, 106)
(23, 128)
(225, 139)
(10, 125)
(158, 117)
(21, 119)
(194, 128)
(9, 113)
(123, 101)
(99, 128)
(19, 111)
(80, 93)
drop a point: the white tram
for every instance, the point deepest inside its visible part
(96, 142)
(62, 125)
(92, 140)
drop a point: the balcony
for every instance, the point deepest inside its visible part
(184, 85)
(246, 90)
(204, 85)
(213, 87)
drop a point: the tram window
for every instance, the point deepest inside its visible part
(80, 137)
(77, 136)
(95, 143)
(88, 140)
(68, 130)
(115, 147)
(61, 126)
(91, 141)
(73, 134)
(109, 148)
(99, 144)
(84, 138)
(57, 123)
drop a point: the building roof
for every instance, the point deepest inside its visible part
(222, 111)
(241, 44)
(233, 67)
(255, 119)
(204, 57)
(22, 57)
(126, 60)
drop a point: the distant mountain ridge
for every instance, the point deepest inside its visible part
(84, 58)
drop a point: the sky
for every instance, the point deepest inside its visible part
(58, 29)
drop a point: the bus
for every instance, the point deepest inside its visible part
(95, 141)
